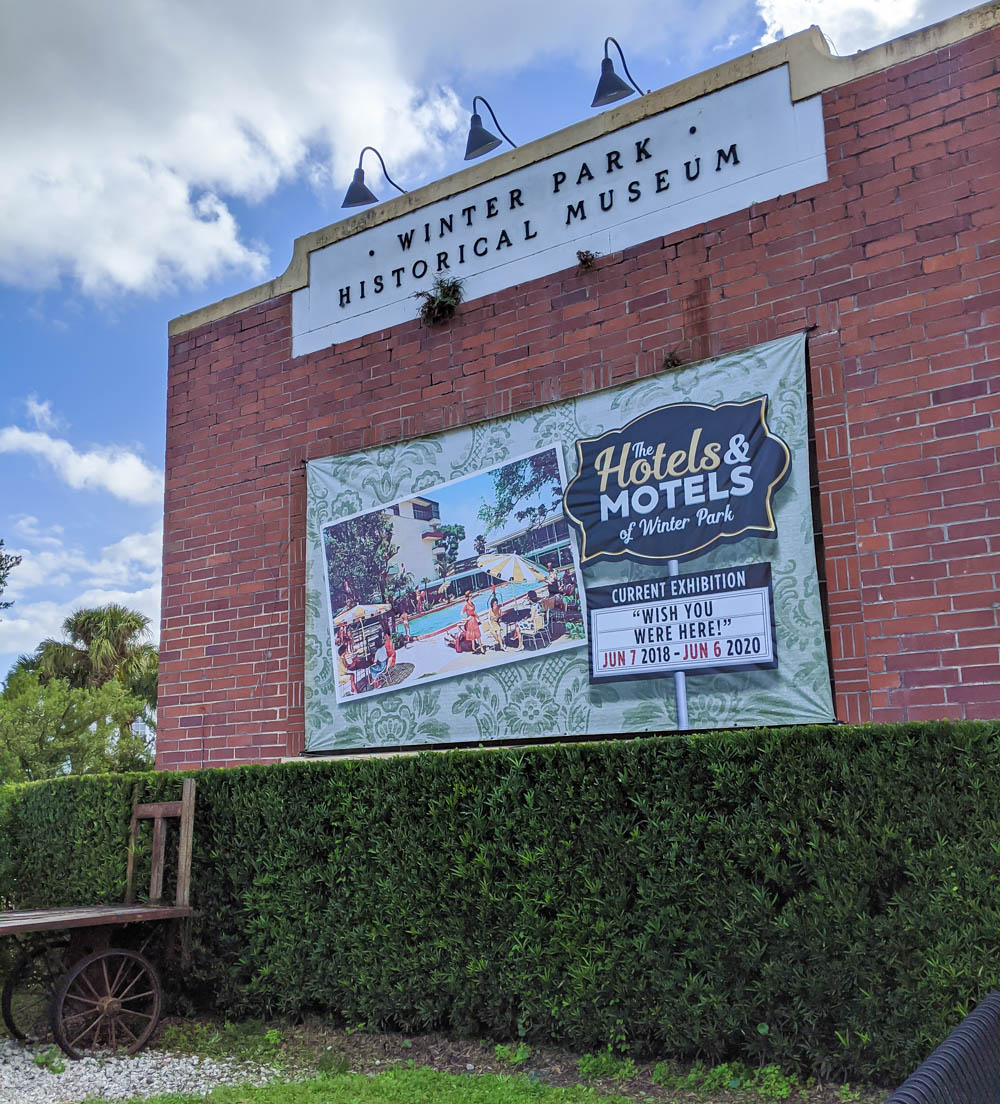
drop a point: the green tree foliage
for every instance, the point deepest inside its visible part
(358, 552)
(50, 728)
(103, 643)
(479, 544)
(7, 563)
(517, 483)
(446, 548)
(398, 587)
(83, 704)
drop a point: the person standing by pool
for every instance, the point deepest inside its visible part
(390, 651)
(472, 633)
(404, 618)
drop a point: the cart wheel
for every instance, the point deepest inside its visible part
(108, 1001)
(27, 993)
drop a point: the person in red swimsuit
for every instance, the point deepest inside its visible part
(472, 633)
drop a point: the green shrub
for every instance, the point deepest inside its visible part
(834, 885)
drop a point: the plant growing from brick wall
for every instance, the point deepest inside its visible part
(438, 305)
(817, 898)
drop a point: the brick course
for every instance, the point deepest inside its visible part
(892, 262)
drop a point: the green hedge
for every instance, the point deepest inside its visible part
(670, 895)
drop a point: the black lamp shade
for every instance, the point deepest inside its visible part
(610, 87)
(359, 194)
(480, 140)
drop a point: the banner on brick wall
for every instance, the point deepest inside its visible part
(637, 559)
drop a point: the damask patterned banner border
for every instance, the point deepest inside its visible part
(445, 597)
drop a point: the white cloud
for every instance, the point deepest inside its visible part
(41, 413)
(852, 25)
(57, 574)
(49, 565)
(138, 125)
(730, 42)
(48, 561)
(28, 527)
(137, 556)
(110, 468)
(127, 572)
(26, 625)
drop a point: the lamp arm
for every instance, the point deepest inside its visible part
(624, 63)
(385, 171)
(496, 122)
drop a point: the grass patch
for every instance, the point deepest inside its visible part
(515, 1053)
(397, 1086)
(766, 1082)
(314, 1057)
(51, 1059)
(606, 1064)
(250, 1041)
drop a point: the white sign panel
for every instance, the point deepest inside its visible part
(684, 623)
(698, 161)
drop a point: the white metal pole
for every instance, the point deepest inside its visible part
(680, 679)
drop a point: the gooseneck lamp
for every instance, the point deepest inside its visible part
(480, 139)
(611, 87)
(359, 194)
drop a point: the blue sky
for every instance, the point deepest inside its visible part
(460, 503)
(165, 155)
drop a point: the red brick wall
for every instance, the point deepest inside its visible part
(893, 261)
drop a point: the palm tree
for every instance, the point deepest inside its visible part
(108, 642)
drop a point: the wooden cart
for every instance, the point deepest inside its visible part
(74, 981)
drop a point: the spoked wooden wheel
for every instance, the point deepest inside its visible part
(108, 1001)
(26, 999)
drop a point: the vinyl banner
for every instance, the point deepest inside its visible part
(607, 564)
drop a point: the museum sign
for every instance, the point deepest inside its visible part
(698, 161)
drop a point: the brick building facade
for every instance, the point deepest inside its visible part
(892, 263)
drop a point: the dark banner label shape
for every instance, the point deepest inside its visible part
(701, 624)
(677, 481)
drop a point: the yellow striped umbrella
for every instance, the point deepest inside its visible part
(361, 613)
(512, 568)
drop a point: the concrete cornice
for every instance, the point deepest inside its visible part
(811, 67)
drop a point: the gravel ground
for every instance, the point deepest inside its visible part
(24, 1081)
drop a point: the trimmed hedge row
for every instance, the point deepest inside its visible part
(823, 898)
